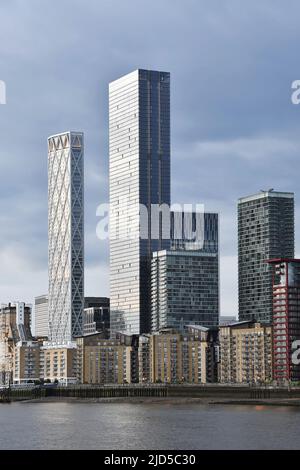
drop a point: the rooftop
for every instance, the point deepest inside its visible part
(265, 194)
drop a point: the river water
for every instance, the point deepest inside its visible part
(151, 426)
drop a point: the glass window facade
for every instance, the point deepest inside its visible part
(265, 231)
(139, 154)
(185, 289)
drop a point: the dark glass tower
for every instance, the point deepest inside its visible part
(265, 231)
(185, 279)
(139, 108)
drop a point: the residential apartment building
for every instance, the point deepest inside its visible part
(26, 362)
(19, 353)
(106, 362)
(177, 358)
(286, 319)
(59, 365)
(265, 231)
(246, 353)
(184, 289)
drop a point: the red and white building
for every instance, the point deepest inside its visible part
(286, 319)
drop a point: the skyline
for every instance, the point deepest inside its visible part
(206, 126)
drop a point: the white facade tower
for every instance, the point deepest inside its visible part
(66, 236)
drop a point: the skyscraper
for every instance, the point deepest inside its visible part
(66, 236)
(41, 321)
(139, 121)
(185, 279)
(185, 289)
(265, 231)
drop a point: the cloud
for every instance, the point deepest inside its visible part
(234, 129)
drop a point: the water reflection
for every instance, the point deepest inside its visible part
(147, 426)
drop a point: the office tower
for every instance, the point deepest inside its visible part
(185, 289)
(245, 353)
(66, 236)
(41, 316)
(96, 314)
(139, 121)
(286, 319)
(97, 302)
(195, 231)
(96, 319)
(185, 279)
(265, 231)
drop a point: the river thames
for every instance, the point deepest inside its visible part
(148, 426)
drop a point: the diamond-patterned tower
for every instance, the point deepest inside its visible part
(66, 236)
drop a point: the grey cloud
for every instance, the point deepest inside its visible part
(234, 128)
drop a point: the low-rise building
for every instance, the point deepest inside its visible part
(19, 362)
(172, 357)
(26, 362)
(245, 353)
(103, 361)
(59, 363)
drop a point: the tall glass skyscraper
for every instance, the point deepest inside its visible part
(139, 121)
(265, 231)
(66, 236)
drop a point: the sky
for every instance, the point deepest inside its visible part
(234, 128)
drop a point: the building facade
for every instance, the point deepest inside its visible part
(96, 314)
(41, 320)
(184, 289)
(265, 231)
(139, 154)
(97, 302)
(59, 365)
(227, 320)
(176, 358)
(106, 362)
(286, 320)
(245, 353)
(26, 362)
(19, 353)
(194, 231)
(66, 236)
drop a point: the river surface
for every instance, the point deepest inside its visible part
(151, 426)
